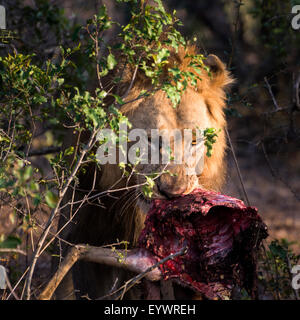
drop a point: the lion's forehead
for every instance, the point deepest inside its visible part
(191, 113)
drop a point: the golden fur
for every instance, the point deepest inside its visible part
(122, 219)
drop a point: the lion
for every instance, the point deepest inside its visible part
(120, 216)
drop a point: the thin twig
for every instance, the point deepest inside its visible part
(275, 175)
(237, 167)
(132, 81)
(43, 151)
(130, 283)
(10, 288)
(236, 24)
(276, 278)
(296, 97)
(272, 95)
(10, 250)
(18, 282)
(55, 212)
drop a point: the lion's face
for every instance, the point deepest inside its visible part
(120, 216)
(199, 109)
(158, 113)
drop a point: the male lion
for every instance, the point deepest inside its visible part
(121, 216)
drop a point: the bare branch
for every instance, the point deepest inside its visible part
(271, 94)
(10, 250)
(139, 261)
(296, 85)
(129, 284)
(235, 34)
(237, 167)
(44, 151)
(132, 81)
(55, 212)
(276, 175)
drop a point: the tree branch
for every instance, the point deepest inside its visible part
(55, 211)
(137, 260)
(296, 91)
(10, 250)
(44, 151)
(271, 94)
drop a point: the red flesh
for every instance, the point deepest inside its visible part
(222, 236)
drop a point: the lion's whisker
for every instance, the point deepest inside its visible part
(129, 202)
(118, 200)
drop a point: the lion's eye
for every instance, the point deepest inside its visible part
(194, 142)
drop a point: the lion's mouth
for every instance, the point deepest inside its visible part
(144, 202)
(145, 199)
(157, 195)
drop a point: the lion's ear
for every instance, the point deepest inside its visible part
(219, 75)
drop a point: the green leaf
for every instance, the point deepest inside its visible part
(60, 81)
(34, 186)
(118, 99)
(148, 192)
(10, 242)
(111, 61)
(69, 151)
(28, 173)
(51, 199)
(39, 99)
(37, 200)
(103, 72)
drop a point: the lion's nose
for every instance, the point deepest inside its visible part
(170, 191)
